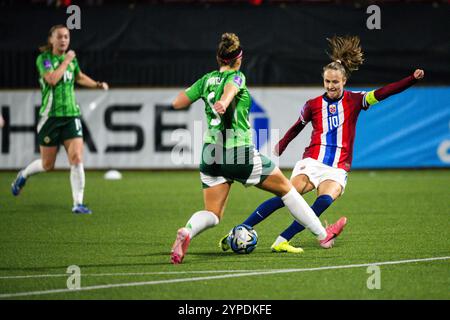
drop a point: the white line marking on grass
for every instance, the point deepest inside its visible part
(247, 274)
(127, 274)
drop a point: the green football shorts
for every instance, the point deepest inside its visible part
(52, 131)
(243, 164)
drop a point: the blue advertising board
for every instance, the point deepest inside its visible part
(408, 130)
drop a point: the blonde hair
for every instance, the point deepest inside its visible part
(229, 46)
(346, 54)
(48, 46)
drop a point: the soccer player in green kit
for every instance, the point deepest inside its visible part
(60, 114)
(228, 152)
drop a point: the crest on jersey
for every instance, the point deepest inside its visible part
(47, 64)
(332, 108)
(237, 80)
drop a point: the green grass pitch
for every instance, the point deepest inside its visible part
(393, 216)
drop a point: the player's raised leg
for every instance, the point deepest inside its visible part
(302, 185)
(215, 198)
(331, 189)
(328, 191)
(278, 184)
(46, 163)
(265, 209)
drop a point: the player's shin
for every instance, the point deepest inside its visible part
(264, 210)
(77, 182)
(303, 213)
(319, 206)
(33, 168)
(200, 221)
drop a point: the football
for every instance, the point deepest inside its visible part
(243, 239)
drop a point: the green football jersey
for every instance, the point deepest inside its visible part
(233, 126)
(57, 101)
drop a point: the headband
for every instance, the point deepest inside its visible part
(236, 54)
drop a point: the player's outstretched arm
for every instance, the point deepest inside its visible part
(289, 136)
(181, 101)
(393, 88)
(86, 81)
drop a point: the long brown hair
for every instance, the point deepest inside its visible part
(48, 46)
(346, 54)
(229, 50)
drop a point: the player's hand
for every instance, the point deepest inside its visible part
(219, 107)
(276, 150)
(102, 85)
(70, 55)
(2, 122)
(419, 74)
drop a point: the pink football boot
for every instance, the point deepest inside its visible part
(180, 246)
(332, 232)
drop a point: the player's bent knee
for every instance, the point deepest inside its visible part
(276, 183)
(286, 188)
(48, 166)
(302, 184)
(283, 185)
(76, 159)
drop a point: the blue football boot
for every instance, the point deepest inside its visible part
(81, 209)
(18, 184)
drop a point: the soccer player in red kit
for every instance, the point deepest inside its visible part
(328, 157)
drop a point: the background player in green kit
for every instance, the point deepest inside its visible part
(228, 153)
(60, 114)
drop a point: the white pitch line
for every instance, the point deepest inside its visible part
(273, 271)
(126, 274)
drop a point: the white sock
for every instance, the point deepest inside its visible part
(303, 213)
(77, 183)
(200, 221)
(279, 240)
(33, 168)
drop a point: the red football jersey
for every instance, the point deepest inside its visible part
(334, 126)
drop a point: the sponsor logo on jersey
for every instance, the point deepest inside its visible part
(47, 64)
(332, 108)
(237, 80)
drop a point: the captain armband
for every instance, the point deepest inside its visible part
(369, 99)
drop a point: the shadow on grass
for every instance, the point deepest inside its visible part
(163, 259)
(39, 209)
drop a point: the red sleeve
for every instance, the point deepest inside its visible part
(393, 88)
(305, 117)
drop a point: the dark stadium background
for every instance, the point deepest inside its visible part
(171, 43)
